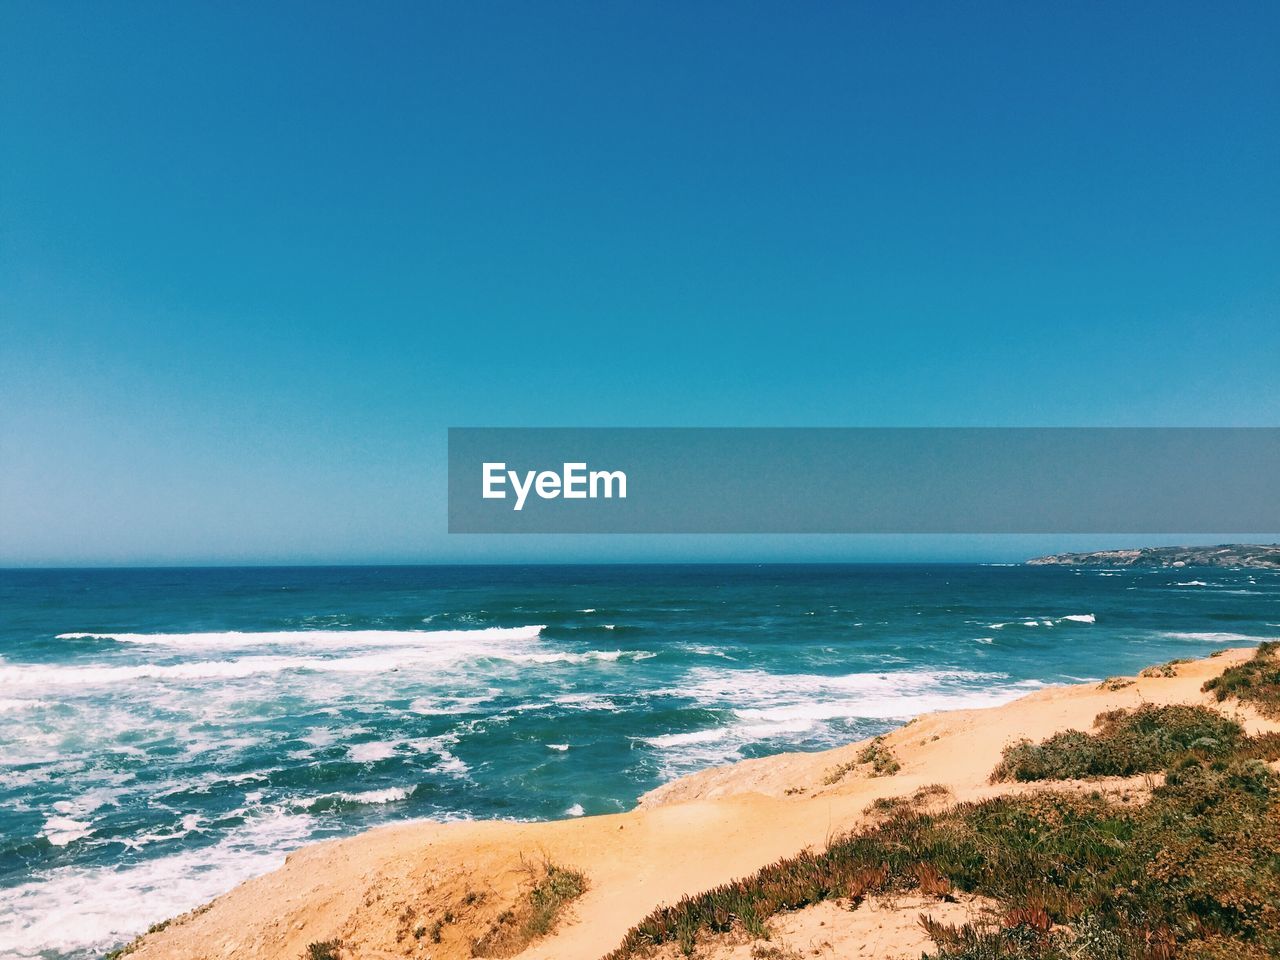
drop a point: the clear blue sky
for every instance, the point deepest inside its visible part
(255, 258)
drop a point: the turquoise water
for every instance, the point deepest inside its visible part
(168, 733)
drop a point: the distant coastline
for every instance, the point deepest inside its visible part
(1258, 556)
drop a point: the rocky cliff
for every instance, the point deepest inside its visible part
(1258, 556)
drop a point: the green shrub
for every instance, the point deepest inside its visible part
(1126, 743)
(1193, 872)
(1256, 681)
(882, 759)
(877, 753)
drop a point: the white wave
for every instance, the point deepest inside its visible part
(452, 705)
(366, 797)
(779, 724)
(449, 764)
(684, 739)
(1044, 621)
(764, 706)
(16, 706)
(47, 675)
(320, 737)
(453, 766)
(705, 650)
(583, 701)
(1215, 637)
(559, 747)
(1191, 583)
(61, 831)
(112, 904)
(891, 695)
(316, 639)
(390, 795)
(575, 811)
(372, 752)
(187, 825)
(564, 656)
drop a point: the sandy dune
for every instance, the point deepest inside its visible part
(392, 891)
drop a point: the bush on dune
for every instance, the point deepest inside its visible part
(1194, 872)
(554, 888)
(1126, 743)
(1256, 681)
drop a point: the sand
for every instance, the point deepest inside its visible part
(392, 892)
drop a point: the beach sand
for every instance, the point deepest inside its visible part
(430, 890)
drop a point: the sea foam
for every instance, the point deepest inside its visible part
(316, 639)
(112, 904)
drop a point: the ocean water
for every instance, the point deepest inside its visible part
(165, 734)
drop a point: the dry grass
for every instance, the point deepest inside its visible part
(1169, 669)
(553, 888)
(877, 754)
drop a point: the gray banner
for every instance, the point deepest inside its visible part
(864, 480)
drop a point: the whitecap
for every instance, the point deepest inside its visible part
(684, 739)
(98, 675)
(325, 639)
(365, 797)
(373, 751)
(705, 650)
(61, 831)
(587, 656)
(16, 705)
(1214, 637)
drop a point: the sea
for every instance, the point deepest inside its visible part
(168, 733)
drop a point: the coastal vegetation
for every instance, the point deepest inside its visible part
(877, 754)
(324, 950)
(1255, 681)
(1126, 743)
(553, 889)
(882, 759)
(1169, 669)
(133, 944)
(1192, 872)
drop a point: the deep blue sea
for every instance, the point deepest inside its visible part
(167, 733)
